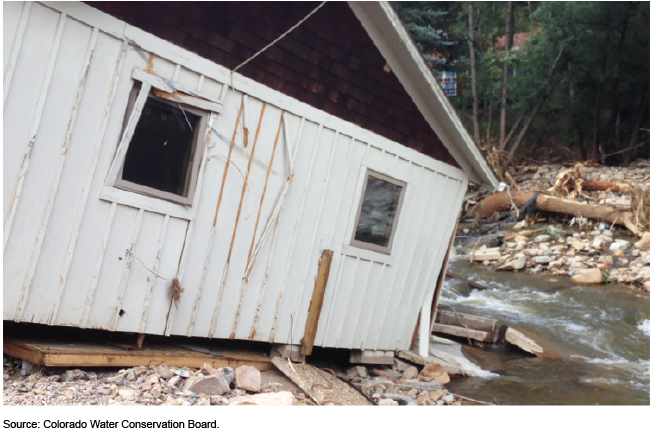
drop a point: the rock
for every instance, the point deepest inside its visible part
(28, 368)
(72, 375)
(248, 378)
(227, 373)
(413, 393)
(618, 253)
(487, 254)
(402, 400)
(518, 263)
(607, 260)
(386, 372)
(520, 340)
(209, 370)
(542, 260)
(520, 225)
(447, 398)
(435, 372)
(608, 233)
(165, 373)
(104, 391)
(188, 383)
(361, 371)
(210, 385)
(598, 243)
(542, 238)
(387, 402)
(400, 365)
(130, 376)
(615, 246)
(182, 373)
(171, 401)
(282, 398)
(520, 238)
(644, 243)
(646, 286)
(587, 277)
(217, 400)
(173, 381)
(623, 243)
(578, 246)
(127, 394)
(435, 395)
(410, 373)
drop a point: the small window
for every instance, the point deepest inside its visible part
(378, 212)
(163, 157)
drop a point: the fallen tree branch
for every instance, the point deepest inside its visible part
(500, 202)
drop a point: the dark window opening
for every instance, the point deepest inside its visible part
(160, 155)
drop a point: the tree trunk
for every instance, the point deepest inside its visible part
(512, 131)
(500, 202)
(524, 130)
(510, 25)
(577, 136)
(489, 125)
(594, 145)
(630, 154)
(472, 62)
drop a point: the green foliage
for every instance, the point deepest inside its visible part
(599, 52)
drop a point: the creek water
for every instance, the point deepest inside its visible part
(599, 339)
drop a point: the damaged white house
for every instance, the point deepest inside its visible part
(197, 169)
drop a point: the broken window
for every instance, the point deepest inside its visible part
(378, 212)
(163, 156)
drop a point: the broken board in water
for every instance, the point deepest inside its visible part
(56, 353)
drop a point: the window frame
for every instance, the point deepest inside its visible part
(367, 245)
(197, 152)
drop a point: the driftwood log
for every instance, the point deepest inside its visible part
(500, 202)
(601, 185)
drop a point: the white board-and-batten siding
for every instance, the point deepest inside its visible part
(81, 253)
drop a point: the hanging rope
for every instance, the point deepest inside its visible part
(281, 36)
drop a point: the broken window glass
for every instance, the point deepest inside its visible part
(377, 217)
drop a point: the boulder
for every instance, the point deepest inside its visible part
(520, 340)
(646, 286)
(520, 238)
(410, 373)
(282, 398)
(512, 265)
(248, 378)
(542, 238)
(644, 243)
(387, 402)
(578, 246)
(72, 375)
(435, 372)
(227, 373)
(623, 243)
(435, 395)
(618, 253)
(361, 371)
(543, 260)
(587, 277)
(210, 385)
(487, 254)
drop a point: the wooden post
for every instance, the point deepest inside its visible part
(316, 302)
(441, 277)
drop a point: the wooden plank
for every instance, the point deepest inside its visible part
(461, 331)
(465, 320)
(441, 276)
(470, 283)
(316, 302)
(95, 355)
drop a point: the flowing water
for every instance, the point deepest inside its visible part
(599, 338)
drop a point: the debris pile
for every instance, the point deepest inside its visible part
(28, 385)
(585, 210)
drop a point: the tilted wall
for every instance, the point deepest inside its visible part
(81, 253)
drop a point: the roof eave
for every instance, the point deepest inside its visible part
(393, 41)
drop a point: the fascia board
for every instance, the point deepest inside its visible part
(391, 38)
